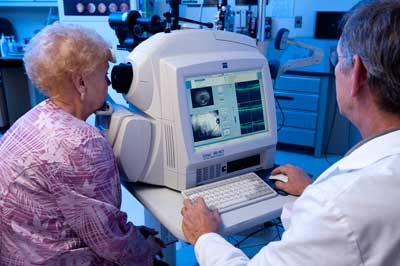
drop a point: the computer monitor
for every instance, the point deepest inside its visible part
(207, 108)
(226, 106)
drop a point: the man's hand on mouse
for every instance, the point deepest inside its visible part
(298, 180)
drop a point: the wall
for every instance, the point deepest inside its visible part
(305, 8)
(26, 20)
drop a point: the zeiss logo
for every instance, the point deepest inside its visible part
(212, 155)
(224, 65)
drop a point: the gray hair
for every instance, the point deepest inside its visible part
(372, 31)
(61, 49)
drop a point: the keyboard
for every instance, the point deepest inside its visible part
(232, 193)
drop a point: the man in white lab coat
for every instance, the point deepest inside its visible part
(351, 214)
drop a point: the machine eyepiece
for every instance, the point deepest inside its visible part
(121, 77)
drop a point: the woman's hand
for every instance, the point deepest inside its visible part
(298, 180)
(147, 231)
(198, 220)
(155, 243)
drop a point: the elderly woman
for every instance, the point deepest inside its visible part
(60, 193)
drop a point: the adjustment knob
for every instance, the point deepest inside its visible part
(121, 77)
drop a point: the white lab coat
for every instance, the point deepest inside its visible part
(349, 216)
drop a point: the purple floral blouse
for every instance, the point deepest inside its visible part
(60, 195)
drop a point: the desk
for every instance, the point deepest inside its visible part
(165, 205)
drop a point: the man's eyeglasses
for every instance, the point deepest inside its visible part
(334, 58)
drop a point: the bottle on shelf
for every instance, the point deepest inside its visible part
(10, 46)
(4, 45)
(14, 45)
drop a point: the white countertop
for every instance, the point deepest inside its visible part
(166, 204)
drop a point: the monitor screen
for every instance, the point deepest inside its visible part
(226, 106)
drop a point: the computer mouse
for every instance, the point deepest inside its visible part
(280, 177)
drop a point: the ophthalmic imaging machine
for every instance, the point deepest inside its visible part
(201, 110)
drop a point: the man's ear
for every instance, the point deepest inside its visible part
(359, 78)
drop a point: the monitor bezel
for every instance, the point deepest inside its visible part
(230, 146)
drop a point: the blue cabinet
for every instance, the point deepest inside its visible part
(303, 98)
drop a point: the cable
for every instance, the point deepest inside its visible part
(201, 13)
(170, 243)
(266, 225)
(231, 239)
(51, 16)
(278, 232)
(276, 237)
(248, 236)
(278, 223)
(274, 69)
(282, 113)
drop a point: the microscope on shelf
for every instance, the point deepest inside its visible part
(131, 28)
(224, 19)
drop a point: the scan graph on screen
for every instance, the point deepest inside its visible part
(226, 106)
